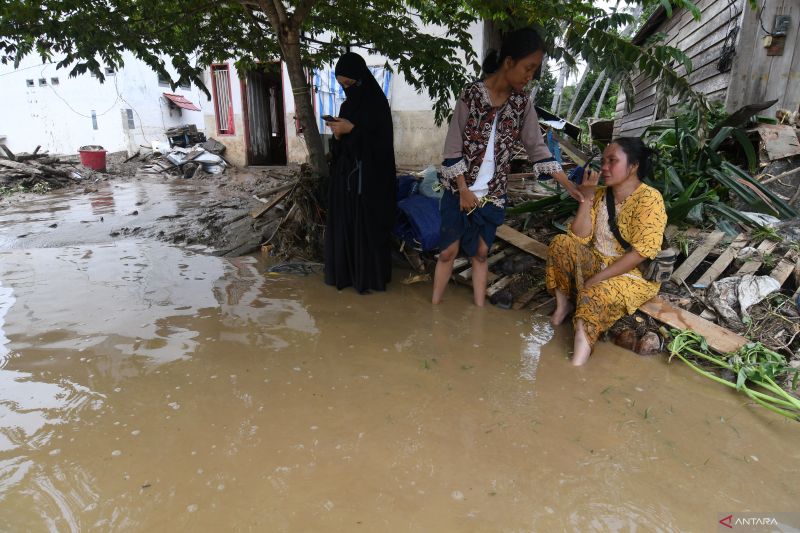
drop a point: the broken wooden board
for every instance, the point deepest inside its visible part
(696, 257)
(722, 262)
(784, 268)
(778, 140)
(751, 267)
(522, 241)
(574, 153)
(525, 298)
(466, 274)
(498, 286)
(719, 338)
(275, 201)
(9, 154)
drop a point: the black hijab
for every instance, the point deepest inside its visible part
(366, 88)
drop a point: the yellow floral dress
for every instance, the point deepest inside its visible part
(571, 260)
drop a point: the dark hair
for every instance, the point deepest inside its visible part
(637, 152)
(516, 45)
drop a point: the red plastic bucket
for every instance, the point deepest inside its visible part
(93, 157)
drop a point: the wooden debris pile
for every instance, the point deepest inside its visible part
(27, 170)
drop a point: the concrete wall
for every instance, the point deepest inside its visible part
(59, 116)
(235, 146)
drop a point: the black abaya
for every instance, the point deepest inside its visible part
(362, 190)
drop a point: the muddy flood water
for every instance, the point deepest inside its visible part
(149, 387)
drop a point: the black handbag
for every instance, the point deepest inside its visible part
(659, 269)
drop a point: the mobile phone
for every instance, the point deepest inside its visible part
(329, 118)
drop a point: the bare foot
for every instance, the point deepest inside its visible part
(581, 349)
(562, 311)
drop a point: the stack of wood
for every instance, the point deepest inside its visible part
(28, 169)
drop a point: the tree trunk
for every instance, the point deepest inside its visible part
(602, 98)
(303, 108)
(562, 76)
(577, 91)
(589, 97)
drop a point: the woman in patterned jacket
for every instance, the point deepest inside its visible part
(489, 118)
(591, 263)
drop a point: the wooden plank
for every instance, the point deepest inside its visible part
(525, 299)
(722, 262)
(275, 201)
(737, 96)
(696, 257)
(466, 274)
(459, 263)
(719, 338)
(780, 141)
(785, 267)
(522, 241)
(575, 153)
(9, 154)
(751, 267)
(498, 286)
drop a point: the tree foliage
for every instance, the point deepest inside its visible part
(435, 56)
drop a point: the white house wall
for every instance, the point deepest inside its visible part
(418, 141)
(59, 117)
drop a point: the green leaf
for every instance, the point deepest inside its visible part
(749, 149)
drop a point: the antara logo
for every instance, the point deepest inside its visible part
(730, 522)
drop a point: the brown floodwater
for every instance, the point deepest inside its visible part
(147, 387)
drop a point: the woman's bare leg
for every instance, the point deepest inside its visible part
(563, 308)
(444, 268)
(582, 349)
(480, 273)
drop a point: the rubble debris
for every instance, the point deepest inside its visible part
(184, 136)
(27, 170)
(778, 141)
(732, 297)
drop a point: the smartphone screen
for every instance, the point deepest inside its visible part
(328, 118)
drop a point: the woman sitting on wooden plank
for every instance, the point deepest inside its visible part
(591, 263)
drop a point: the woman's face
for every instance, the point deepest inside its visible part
(520, 72)
(345, 82)
(615, 168)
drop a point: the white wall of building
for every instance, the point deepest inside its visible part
(58, 116)
(418, 141)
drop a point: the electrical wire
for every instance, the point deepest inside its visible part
(119, 97)
(728, 51)
(41, 74)
(761, 22)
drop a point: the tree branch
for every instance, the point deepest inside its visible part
(301, 12)
(281, 11)
(268, 8)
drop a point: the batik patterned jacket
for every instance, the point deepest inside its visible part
(468, 136)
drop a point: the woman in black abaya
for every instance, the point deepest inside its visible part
(361, 199)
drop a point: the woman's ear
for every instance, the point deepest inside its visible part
(508, 63)
(633, 170)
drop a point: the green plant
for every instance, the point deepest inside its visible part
(752, 364)
(692, 173)
(681, 241)
(762, 233)
(8, 191)
(41, 187)
(769, 260)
